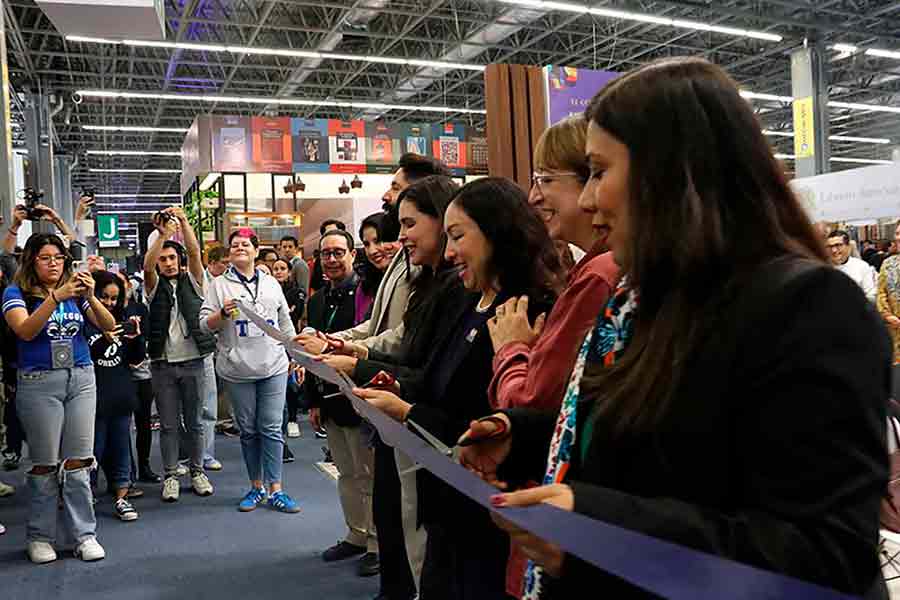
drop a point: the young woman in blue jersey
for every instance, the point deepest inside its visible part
(56, 399)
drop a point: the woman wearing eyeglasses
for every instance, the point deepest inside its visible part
(56, 393)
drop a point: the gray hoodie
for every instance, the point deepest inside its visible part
(244, 351)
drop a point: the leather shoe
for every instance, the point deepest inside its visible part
(368, 565)
(342, 551)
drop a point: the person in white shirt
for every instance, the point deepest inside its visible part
(838, 244)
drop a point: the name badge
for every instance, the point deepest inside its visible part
(471, 337)
(62, 354)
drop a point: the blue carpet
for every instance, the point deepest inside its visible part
(197, 548)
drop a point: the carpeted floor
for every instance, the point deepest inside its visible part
(197, 548)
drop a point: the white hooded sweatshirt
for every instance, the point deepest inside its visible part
(244, 351)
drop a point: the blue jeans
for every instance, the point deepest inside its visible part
(112, 447)
(258, 407)
(57, 409)
(210, 407)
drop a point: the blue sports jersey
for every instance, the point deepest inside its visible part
(66, 322)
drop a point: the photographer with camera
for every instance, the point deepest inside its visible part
(177, 347)
(56, 395)
(32, 211)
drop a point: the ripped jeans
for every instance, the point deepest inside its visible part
(57, 409)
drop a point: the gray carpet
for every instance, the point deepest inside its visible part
(197, 548)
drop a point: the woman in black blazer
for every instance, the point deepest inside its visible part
(501, 249)
(734, 393)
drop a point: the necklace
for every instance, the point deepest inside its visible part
(483, 309)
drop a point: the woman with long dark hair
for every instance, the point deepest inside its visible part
(378, 256)
(732, 395)
(56, 394)
(117, 397)
(500, 249)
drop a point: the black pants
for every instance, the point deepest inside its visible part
(396, 576)
(466, 560)
(142, 421)
(15, 434)
(293, 403)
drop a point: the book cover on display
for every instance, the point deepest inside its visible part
(231, 144)
(310, 143)
(449, 146)
(347, 146)
(415, 138)
(477, 156)
(272, 147)
(382, 147)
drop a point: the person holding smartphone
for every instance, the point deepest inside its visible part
(113, 352)
(46, 308)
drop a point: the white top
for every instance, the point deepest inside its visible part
(863, 274)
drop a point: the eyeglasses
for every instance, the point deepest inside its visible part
(337, 254)
(47, 258)
(539, 180)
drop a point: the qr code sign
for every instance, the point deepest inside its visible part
(450, 150)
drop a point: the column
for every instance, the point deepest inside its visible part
(7, 188)
(810, 92)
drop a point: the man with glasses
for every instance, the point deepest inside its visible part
(838, 244)
(333, 309)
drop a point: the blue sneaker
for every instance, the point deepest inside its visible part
(253, 497)
(281, 502)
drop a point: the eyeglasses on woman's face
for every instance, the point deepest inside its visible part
(542, 179)
(46, 259)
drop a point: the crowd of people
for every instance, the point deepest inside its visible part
(652, 336)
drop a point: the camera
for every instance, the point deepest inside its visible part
(89, 192)
(32, 199)
(162, 217)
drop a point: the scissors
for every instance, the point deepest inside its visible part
(444, 449)
(453, 453)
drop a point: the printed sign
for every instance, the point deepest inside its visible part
(310, 141)
(449, 146)
(570, 89)
(804, 130)
(415, 138)
(346, 142)
(477, 159)
(108, 231)
(382, 147)
(231, 144)
(272, 147)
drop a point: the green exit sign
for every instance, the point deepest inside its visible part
(108, 231)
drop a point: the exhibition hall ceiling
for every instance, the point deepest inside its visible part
(408, 59)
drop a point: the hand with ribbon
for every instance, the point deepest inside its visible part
(311, 343)
(547, 555)
(387, 402)
(339, 362)
(510, 324)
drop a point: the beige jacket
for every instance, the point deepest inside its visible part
(384, 331)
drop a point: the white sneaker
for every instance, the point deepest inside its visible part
(171, 489)
(293, 430)
(125, 511)
(40, 552)
(200, 483)
(90, 550)
(6, 490)
(182, 470)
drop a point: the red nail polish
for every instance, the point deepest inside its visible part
(498, 500)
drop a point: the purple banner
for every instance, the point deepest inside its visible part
(570, 89)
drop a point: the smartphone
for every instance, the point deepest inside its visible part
(129, 327)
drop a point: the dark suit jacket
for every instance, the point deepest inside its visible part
(773, 452)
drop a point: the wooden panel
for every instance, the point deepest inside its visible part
(537, 91)
(521, 126)
(498, 124)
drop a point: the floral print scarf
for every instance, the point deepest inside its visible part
(604, 344)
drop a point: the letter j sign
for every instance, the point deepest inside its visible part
(108, 231)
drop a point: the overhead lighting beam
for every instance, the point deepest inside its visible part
(271, 100)
(835, 138)
(137, 195)
(134, 128)
(644, 18)
(842, 159)
(832, 103)
(283, 52)
(134, 170)
(132, 153)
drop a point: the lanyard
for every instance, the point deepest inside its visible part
(331, 319)
(255, 292)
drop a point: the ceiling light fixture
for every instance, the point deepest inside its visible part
(843, 159)
(137, 196)
(134, 128)
(277, 101)
(286, 52)
(644, 18)
(770, 97)
(883, 53)
(134, 170)
(132, 153)
(860, 106)
(835, 138)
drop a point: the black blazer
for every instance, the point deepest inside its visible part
(773, 452)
